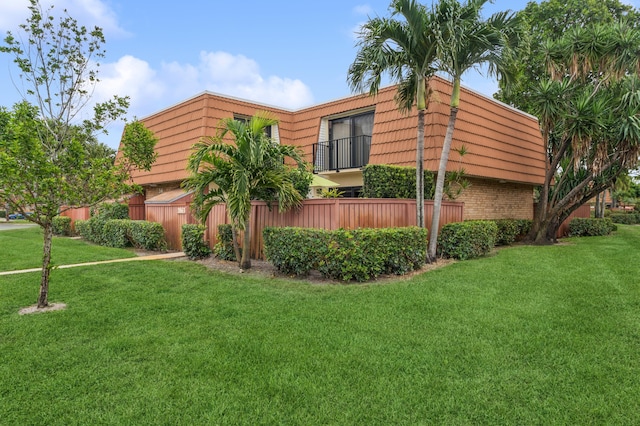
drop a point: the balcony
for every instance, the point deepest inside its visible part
(339, 154)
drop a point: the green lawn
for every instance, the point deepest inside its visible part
(22, 249)
(531, 335)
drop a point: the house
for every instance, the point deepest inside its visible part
(505, 157)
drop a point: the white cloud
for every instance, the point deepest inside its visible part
(151, 90)
(87, 12)
(363, 9)
(234, 75)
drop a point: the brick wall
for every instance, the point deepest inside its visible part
(489, 199)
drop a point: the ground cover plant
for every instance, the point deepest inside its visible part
(529, 335)
(22, 249)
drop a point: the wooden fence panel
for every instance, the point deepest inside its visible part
(136, 208)
(582, 211)
(171, 217)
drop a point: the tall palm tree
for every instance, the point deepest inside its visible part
(465, 41)
(405, 50)
(251, 169)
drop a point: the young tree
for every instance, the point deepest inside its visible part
(404, 47)
(48, 156)
(251, 169)
(466, 41)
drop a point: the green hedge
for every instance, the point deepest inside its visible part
(360, 254)
(511, 230)
(384, 181)
(193, 243)
(590, 227)
(62, 226)
(82, 228)
(294, 251)
(122, 233)
(224, 247)
(108, 211)
(115, 233)
(625, 218)
(466, 240)
(147, 235)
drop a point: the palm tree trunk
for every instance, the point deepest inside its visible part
(234, 237)
(437, 198)
(43, 301)
(420, 170)
(246, 247)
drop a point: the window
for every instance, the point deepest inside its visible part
(245, 119)
(349, 143)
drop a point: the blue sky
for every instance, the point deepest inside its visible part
(284, 53)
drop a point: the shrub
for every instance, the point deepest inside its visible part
(193, 243)
(115, 233)
(3, 214)
(224, 247)
(96, 225)
(61, 225)
(385, 181)
(624, 218)
(147, 235)
(508, 231)
(524, 226)
(108, 211)
(82, 228)
(590, 227)
(466, 240)
(294, 250)
(360, 254)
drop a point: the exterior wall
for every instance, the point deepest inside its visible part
(489, 199)
(502, 143)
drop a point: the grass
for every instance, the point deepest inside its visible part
(22, 249)
(531, 335)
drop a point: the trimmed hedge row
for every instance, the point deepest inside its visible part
(360, 254)
(591, 227)
(625, 218)
(193, 243)
(466, 240)
(511, 230)
(384, 181)
(122, 233)
(61, 226)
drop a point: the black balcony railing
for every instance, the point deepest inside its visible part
(338, 154)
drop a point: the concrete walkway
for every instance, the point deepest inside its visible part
(128, 259)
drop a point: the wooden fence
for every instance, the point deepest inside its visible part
(348, 213)
(582, 211)
(172, 216)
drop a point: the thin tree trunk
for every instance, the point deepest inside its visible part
(246, 247)
(420, 170)
(437, 198)
(234, 236)
(43, 301)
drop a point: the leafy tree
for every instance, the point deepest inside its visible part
(48, 155)
(466, 41)
(404, 47)
(589, 112)
(251, 169)
(550, 20)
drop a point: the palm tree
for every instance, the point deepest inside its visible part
(251, 169)
(405, 50)
(465, 41)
